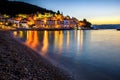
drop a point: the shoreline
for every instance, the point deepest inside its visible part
(18, 61)
(45, 29)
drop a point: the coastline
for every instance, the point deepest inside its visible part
(17, 61)
(47, 29)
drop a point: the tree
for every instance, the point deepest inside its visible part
(3, 0)
(84, 20)
(87, 24)
(58, 12)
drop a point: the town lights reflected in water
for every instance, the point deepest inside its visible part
(79, 40)
(40, 40)
(32, 39)
(68, 40)
(19, 34)
(45, 43)
(93, 54)
(58, 41)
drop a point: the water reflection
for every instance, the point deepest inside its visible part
(18, 34)
(79, 40)
(68, 40)
(44, 48)
(15, 33)
(58, 41)
(32, 39)
(91, 52)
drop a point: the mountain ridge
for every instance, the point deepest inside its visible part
(17, 7)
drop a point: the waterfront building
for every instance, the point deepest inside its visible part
(46, 20)
(39, 23)
(24, 23)
(81, 24)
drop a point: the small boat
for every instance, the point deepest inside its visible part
(118, 28)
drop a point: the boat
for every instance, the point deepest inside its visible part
(118, 28)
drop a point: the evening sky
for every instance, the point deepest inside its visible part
(96, 11)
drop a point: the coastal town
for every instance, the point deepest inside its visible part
(59, 40)
(42, 21)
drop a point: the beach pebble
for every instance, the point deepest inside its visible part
(18, 62)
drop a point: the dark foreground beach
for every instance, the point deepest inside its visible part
(18, 62)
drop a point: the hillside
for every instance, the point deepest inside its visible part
(14, 7)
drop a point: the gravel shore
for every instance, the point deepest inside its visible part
(18, 62)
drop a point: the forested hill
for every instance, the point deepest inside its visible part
(15, 7)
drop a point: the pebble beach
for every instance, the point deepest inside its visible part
(18, 62)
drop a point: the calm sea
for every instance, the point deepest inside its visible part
(87, 54)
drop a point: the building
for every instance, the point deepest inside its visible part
(23, 23)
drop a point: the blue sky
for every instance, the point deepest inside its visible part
(96, 11)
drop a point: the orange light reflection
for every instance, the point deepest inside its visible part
(58, 42)
(68, 40)
(81, 39)
(45, 43)
(32, 39)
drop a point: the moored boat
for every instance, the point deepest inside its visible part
(118, 28)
